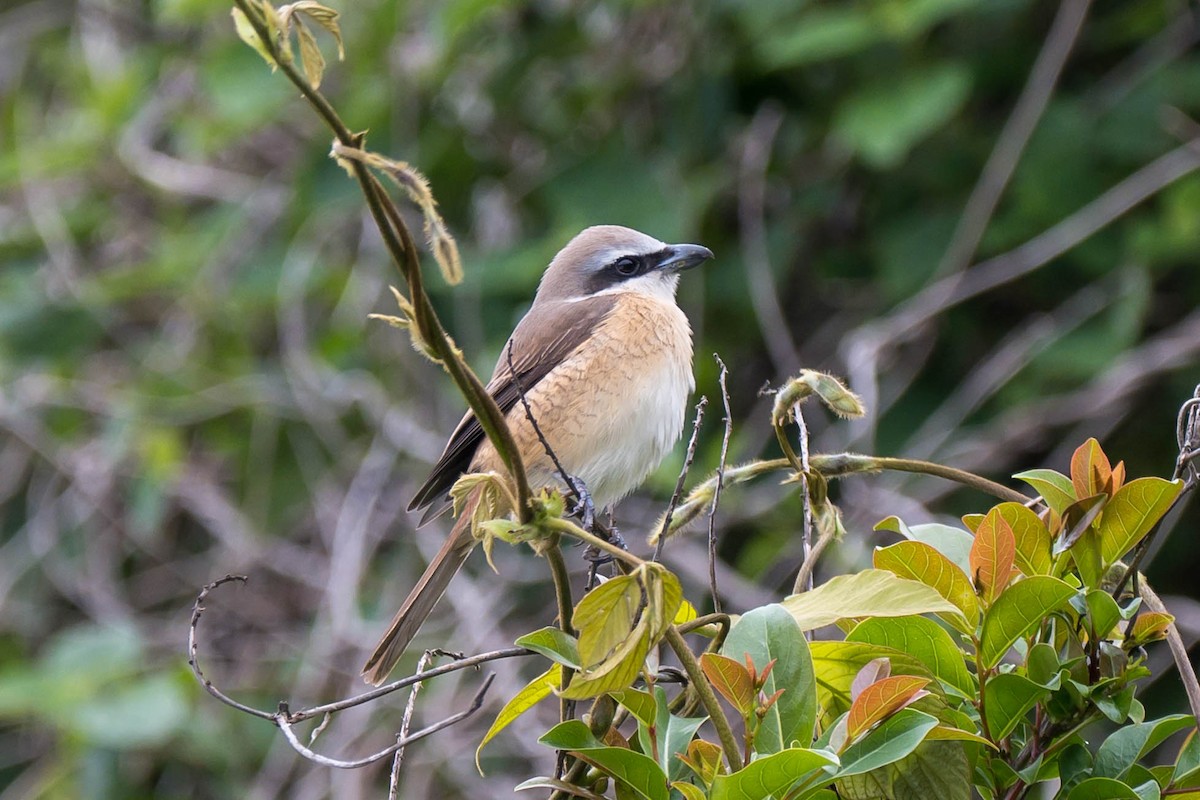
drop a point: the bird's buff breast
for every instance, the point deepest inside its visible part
(615, 406)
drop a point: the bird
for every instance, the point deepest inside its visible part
(604, 360)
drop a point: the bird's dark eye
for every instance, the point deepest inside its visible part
(626, 265)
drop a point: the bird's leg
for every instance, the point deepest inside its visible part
(583, 506)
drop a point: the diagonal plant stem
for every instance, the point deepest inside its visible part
(402, 249)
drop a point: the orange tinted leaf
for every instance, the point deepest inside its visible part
(1090, 470)
(882, 699)
(1031, 536)
(1118, 477)
(731, 679)
(993, 555)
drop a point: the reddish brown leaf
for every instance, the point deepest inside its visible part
(882, 699)
(993, 555)
(731, 679)
(1090, 470)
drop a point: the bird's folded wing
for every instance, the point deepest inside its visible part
(544, 339)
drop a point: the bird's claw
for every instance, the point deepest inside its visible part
(583, 506)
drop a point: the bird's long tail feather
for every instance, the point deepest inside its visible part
(421, 599)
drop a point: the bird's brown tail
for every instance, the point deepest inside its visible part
(421, 599)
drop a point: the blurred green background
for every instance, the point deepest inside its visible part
(189, 384)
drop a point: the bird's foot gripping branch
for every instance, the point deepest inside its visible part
(970, 658)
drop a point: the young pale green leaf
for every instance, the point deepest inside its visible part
(616, 672)
(1054, 487)
(247, 34)
(638, 772)
(1150, 627)
(1007, 699)
(533, 693)
(1132, 512)
(881, 699)
(1102, 789)
(554, 644)
(690, 791)
(870, 593)
(1091, 471)
(663, 594)
(770, 775)
(921, 562)
(1031, 537)
(605, 618)
(923, 639)
(731, 680)
(769, 633)
(895, 738)
(992, 556)
(1018, 612)
(1129, 744)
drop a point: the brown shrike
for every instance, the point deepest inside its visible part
(604, 358)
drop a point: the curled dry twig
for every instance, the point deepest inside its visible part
(284, 718)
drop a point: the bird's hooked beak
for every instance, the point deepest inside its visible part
(678, 257)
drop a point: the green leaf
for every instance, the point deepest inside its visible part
(870, 593)
(641, 704)
(770, 775)
(1054, 487)
(1127, 745)
(1031, 536)
(533, 692)
(922, 562)
(637, 771)
(923, 639)
(1007, 699)
(554, 644)
(1132, 512)
(766, 633)
(936, 770)
(247, 34)
(1102, 789)
(690, 791)
(883, 122)
(1018, 612)
(895, 738)
(1103, 612)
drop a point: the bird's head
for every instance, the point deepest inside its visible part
(607, 259)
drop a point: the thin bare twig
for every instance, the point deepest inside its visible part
(687, 464)
(406, 721)
(194, 648)
(282, 719)
(712, 512)
(328, 708)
